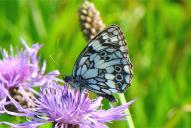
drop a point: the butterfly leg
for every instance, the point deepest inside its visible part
(81, 89)
(109, 97)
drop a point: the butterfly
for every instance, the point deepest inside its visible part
(103, 67)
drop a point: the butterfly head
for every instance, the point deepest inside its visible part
(71, 81)
(68, 79)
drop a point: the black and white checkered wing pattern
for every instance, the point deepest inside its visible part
(104, 64)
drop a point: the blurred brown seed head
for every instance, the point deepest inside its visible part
(90, 20)
(16, 95)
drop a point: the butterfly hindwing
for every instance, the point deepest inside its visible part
(104, 64)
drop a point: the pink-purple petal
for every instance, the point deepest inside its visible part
(64, 106)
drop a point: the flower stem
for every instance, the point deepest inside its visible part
(129, 119)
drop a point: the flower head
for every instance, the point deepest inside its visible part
(21, 69)
(66, 108)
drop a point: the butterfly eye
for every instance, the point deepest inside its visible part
(67, 78)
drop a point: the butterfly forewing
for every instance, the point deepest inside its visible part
(104, 64)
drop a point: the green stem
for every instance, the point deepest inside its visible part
(129, 119)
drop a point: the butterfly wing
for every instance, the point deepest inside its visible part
(104, 65)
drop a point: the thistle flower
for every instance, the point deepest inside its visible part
(66, 108)
(21, 69)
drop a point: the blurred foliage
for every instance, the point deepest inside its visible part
(159, 41)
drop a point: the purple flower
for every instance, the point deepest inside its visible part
(66, 108)
(23, 70)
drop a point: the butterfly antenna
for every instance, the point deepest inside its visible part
(53, 61)
(56, 66)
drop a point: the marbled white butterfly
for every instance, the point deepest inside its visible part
(103, 66)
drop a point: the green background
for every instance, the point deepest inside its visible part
(158, 33)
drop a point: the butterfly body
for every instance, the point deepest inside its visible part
(103, 67)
